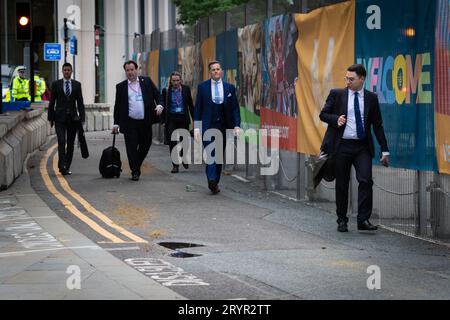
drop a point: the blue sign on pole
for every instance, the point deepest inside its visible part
(52, 51)
(73, 45)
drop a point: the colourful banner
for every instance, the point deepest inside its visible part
(442, 84)
(398, 54)
(143, 63)
(226, 54)
(168, 63)
(208, 54)
(272, 120)
(249, 81)
(279, 75)
(186, 64)
(153, 66)
(325, 49)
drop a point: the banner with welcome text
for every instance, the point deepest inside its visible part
(395, 41)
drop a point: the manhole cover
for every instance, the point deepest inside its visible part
(181, 254)
(179, 245)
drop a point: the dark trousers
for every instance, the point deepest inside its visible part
(356, 153)
(66, 133)
(176, 121)
(214, 170)
(138, 139)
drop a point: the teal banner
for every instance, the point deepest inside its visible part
(168, 63)
(226, 54)
(395, 42)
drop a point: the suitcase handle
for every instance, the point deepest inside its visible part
(114, 140)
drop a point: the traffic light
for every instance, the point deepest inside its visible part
(23, 21)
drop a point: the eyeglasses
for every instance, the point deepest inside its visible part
(348, 79)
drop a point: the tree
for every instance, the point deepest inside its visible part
(192, 10)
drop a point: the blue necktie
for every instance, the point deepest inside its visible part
(359, 124)
(216, 93)
(67, 88)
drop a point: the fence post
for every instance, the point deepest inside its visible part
(269, 8)
(422, 204)
(301, 176)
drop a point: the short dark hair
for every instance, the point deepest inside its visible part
(130, 62)
(67, 65)
(358, 69)
(213, 63)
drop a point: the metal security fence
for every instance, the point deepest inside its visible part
(411, 202)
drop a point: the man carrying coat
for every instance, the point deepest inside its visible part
(66, 112)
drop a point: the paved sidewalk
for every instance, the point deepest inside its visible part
(41, 257)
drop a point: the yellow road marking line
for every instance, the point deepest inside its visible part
(65, 185)
(69, 205)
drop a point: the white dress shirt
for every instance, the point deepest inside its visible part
(213, 90)
(350, 128)
(135, 101)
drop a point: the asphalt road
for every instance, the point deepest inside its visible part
(246, 243)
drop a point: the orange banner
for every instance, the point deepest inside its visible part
(208, 54)
(153, 66)
(442, 87)
(325, 49)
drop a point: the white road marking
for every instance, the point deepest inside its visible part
(22, 253)
(240, 178)
(165, 273)
(123, 249)
(284, 196)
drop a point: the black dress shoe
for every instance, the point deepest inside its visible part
(342, 227)
(216, 190)
(186, 166)
(212, 185)
(135, 177)
(367, 226)
(174, 169)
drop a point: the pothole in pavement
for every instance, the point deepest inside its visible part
(176, 246)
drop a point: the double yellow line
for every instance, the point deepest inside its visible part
(74, 210)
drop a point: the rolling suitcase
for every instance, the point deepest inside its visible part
(110, 165)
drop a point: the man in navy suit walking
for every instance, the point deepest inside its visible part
(217, 108)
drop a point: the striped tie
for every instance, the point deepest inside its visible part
(67, 88)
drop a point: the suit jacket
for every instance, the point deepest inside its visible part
(59, 103)
(204, 103)
(337, 105)
(166, 102)
(150, 95)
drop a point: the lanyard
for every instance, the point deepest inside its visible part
(130, 85)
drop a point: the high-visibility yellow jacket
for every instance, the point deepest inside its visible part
(39, 84)
(7, 96)
(20, 88)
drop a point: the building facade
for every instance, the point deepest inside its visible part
(104, 32)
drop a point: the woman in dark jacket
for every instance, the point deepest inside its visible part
(178, 110)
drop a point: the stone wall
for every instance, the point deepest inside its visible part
(22, 132)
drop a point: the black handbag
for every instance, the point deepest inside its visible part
(82, 141)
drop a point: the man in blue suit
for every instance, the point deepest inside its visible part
(216, 107)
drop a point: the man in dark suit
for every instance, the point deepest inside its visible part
(178, 110)
(216, 107)
(351, 113)
(66, 111)
(135, 111)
